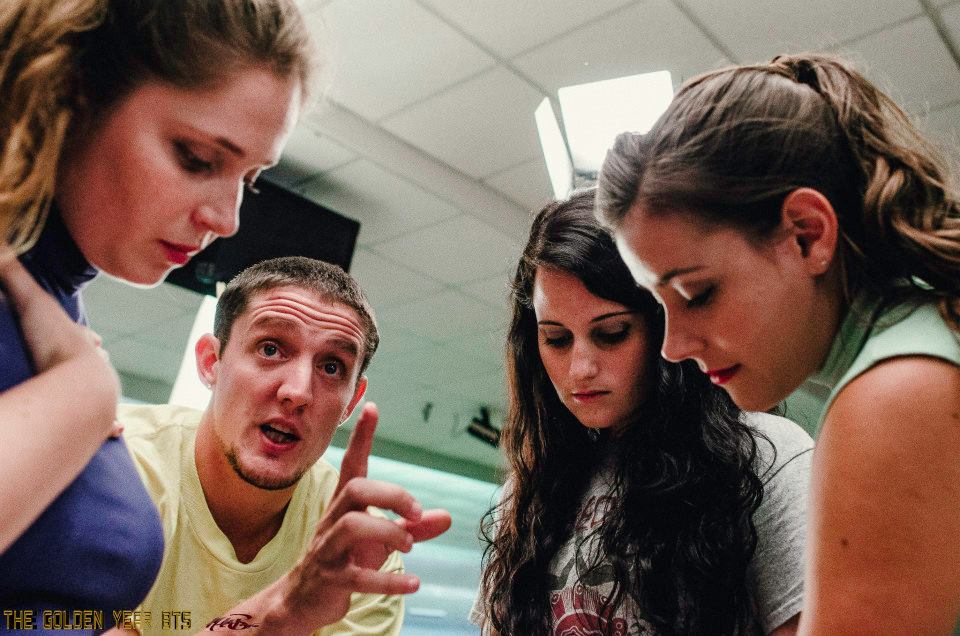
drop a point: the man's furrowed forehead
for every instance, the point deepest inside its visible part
(275, 326)
(289, 308)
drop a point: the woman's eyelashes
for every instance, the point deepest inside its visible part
(191, 161)
(702, 298)
(194, 162)
(609, 337)
(556, 340)
(601, 336)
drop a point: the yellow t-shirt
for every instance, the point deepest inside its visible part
(200, 572)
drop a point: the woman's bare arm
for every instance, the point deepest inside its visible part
(884, 554)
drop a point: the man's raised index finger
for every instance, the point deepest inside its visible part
(355, 458)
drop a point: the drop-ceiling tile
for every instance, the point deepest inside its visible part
(480, 127)
(386, 283)
(307, 154)
(943, 127)
(119, 308)
(444, 431)
(443, 317)
(385, 55)
(951, 19)
(454, 365)
(650, 36)
(386, 205)
(412, 366)
(311, 148)
(395, 338)
(137, 357)
(508, 27)
(528, 184)
(756, 30)
(400, 403)
(489, 389)
(398, 407)
(171, 333)
(487, 342)
(455, 251)
(290, 174)
(495, 290)
(174, 295)
(308, 6)
(911, 63)
(429, 365)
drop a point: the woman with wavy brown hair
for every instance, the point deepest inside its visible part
(804, 241)
(128, 130)
(639, 499)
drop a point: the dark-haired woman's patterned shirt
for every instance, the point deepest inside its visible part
(583, 579)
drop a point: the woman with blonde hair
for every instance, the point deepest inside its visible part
(128, 130)
(804, 241)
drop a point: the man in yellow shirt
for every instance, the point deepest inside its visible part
(262, 536)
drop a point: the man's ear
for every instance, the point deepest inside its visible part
(357, 394)
(811, 222)
(208, 358)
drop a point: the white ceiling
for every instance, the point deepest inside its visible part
(427, 137)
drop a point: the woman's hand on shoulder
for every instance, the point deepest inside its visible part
(884, 555)
(51, 336)
(65, 411)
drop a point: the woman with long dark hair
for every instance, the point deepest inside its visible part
(639, 499)
(804, 239)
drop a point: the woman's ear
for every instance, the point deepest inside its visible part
(208, 358)
(809, 220)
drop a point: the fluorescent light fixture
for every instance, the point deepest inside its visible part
(593, 115)
(554, 150)
(188, 390)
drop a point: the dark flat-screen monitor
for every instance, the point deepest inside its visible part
(273, 222)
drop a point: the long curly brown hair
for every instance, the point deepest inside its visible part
(680, 534)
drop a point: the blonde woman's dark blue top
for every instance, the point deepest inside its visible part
(98, 546)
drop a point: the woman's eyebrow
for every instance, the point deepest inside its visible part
(613, 314)
(230, 146)
(673, 273)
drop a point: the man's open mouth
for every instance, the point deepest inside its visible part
(278, 436)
